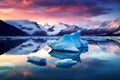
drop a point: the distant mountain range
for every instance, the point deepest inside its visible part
(106, 28)
(30, 28)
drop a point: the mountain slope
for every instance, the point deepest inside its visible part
(110, 28)
(9, 30)
(61, 29)
(32, 28)
(55, 29)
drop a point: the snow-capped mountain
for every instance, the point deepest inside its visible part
(106, 28)
(55, 29)
(47, 26)
(61, 29)
(9, 30)
(32, 28)
(110, 27)
(85, 27)
(30, 46)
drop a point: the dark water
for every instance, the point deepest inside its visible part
(100, 61)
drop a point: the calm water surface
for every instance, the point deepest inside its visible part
(100, 61)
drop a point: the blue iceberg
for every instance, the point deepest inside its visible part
(37, 60)
(69, 42)
(65, 63)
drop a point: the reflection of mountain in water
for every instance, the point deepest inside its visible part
(68, 55)
(6, 45)
(21, 46)
(108, 46)
(30, 46)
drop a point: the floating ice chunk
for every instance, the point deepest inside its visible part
(37, 60)
(69, 42)
(65, 63)
(65, 43)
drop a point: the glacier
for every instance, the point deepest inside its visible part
(65, 63)
(69, 42)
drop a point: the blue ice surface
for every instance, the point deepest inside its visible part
(69, 42)
(65, 63)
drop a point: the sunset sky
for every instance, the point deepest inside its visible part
(91, 12)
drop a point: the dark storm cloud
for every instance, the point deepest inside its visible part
(80, 8)
(110, 1)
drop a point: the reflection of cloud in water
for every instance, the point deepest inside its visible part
(14, 59)
(89, 69)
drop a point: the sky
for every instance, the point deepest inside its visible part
(91, 12)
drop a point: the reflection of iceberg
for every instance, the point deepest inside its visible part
(37, 60)
(65, 63)
(65, 54)
(68, 42)
(30, 46)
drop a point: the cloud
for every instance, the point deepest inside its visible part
(79, 8)
(54, 10)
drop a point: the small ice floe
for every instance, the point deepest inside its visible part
(69, 42)
(37, 60)
(65, 63)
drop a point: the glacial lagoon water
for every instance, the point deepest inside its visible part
(100, 61)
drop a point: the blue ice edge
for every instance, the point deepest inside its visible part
(69, 42)
(65, 63)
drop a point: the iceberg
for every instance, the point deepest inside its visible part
(65, 63)
(37, 60)
(84, 43)
(69, 42)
